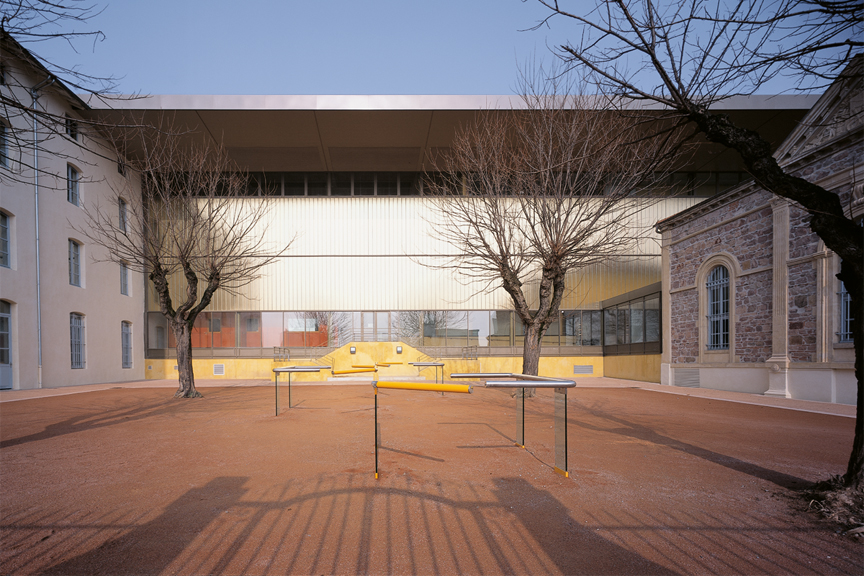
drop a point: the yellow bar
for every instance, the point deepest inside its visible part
(387, 363)
(357, 371)
(460, 388)
(362, 365)
(563, 473)
(383, 364)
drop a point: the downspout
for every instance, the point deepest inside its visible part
(34, 92)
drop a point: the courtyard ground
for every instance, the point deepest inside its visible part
(124, 479)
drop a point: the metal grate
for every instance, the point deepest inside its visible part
(76, 337)
(845, 332)
(126, 343)
(583, 369)
(718, 309)
(687, 377)
(218, 369)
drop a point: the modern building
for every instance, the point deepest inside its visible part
(751, 298)
(344, 178)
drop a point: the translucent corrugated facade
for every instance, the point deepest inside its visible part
(381, 254)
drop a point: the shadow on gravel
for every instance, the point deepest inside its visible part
(573, 549)
(641, 432)
(151, 547)
(92, 421)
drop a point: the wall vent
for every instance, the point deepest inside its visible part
(687, 377)
(218, 369)
(583, 369)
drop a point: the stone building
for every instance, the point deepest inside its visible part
(751, 300)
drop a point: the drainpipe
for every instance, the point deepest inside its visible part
(34, 92)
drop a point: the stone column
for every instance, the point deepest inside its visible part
(665, 313)
(778, 363)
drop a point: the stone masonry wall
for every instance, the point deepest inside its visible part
(753, 313)
(749, 238)
(685, 329)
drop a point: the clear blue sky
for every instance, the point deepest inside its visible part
(313, 46)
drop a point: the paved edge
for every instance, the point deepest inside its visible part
(844, 410)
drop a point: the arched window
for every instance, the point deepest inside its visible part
(718, 308)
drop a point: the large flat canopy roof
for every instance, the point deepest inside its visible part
(385, 132)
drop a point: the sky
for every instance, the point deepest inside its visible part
(312, 46)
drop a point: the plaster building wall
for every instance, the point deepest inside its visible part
(98, 297)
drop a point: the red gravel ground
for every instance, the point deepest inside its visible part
(131, 481)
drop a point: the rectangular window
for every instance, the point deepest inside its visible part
(652, 318)
(126, 343)
(340, 184)
(122, 214)
(364, 184)
(76, 337)
(4, 240)
(591, 328)
(845, 332)
(71, 128)
(610, 318)
(124, 279)
(387, 184)
(74, 263)
(72, 178)
(4, 147)
(5, 332)
(295, 184)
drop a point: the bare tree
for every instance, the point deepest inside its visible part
(194, 216)
(526, 196)
(689, 54)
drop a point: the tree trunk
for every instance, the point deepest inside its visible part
(531, 350)
(183, 334)
(531, 354)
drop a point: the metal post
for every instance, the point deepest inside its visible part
(523, 417)
(277, 393)
(566, 465)
(289, 389)
(376, 432)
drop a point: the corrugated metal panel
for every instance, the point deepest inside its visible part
(369, 254)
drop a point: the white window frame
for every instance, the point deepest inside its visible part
(124, 279)
(71, 126)
(5, 240)
(122, 215)
(74, 263)
(77, 343)
(73, 185)
(4, 145)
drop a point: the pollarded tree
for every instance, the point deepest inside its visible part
(525, 196)
(687, 55)
(195, 215)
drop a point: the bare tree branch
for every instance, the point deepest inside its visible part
(184, 210)
(528, 195)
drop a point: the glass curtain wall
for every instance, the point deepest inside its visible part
(257, 333)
